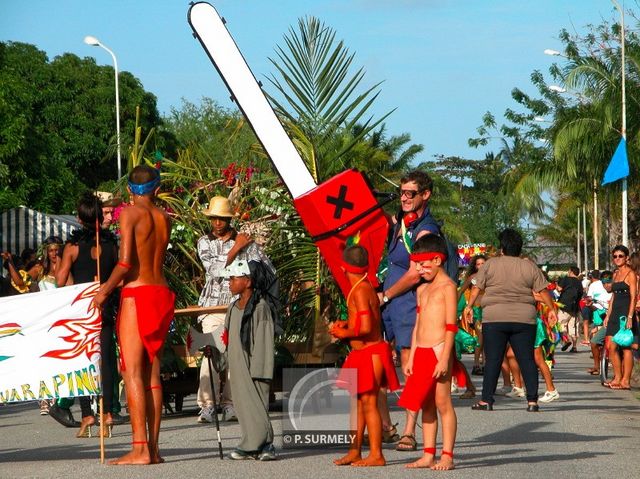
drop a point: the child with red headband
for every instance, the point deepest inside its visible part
(370, 356)
(430, 364)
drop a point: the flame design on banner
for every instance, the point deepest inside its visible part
(85, 332)
(9, 329)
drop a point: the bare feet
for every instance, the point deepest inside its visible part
(154, 453)
(444, 464)
(138, 455)
(348, 459)
(370, 461)
(426, 461)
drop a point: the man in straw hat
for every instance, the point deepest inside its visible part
(216, 251)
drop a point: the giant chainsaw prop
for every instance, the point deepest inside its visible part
(342, 206)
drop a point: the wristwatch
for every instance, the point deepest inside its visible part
(385, 298)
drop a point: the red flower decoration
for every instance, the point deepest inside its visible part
(224, 337)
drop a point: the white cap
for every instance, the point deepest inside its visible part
(239, 267)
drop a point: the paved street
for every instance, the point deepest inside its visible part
(590, 432)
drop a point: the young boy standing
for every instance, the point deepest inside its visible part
(370, 356)
(250, 326)
(430, 363)
(146, 310)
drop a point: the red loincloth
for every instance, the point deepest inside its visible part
(458, 373)
(154, 309)
(421, 385)
(362, 361)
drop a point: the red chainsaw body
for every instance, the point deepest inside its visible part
(326, 209)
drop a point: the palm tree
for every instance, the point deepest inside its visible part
(326, 114)
(320, 95)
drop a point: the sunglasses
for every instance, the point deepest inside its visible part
(411, 194)
(619, 256)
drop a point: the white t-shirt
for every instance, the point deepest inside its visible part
(604, 300)
(599, 295)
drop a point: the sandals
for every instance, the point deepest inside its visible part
(594, 372)
(616, 386)
(407, 443)
(389, 436)
(468, 394)
(482, 407)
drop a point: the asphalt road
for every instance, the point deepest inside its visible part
(589, 432)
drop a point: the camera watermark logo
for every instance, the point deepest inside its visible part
(317, 408)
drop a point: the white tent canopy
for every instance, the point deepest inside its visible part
(22, 228)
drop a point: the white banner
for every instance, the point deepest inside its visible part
(50, 344)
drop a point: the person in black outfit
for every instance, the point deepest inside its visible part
(79, 264)
(621, 311)
(571, 291)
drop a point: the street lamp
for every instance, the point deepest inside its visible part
(625, 226)
(94, 42)
(557, 89)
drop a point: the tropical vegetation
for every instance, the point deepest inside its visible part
(542, 171)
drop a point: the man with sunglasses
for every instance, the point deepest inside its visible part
(398, 297)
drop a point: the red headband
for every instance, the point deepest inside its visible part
(349, 268)
(419, 257)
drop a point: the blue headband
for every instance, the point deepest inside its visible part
(145, 188)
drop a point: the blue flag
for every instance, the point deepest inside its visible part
(619, 166)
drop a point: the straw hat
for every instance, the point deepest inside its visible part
(219, 206)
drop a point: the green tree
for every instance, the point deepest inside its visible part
(57, 125)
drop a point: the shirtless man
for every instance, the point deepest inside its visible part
(370, 356)
(145, 312)
(430, 363)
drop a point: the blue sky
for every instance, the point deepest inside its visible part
(443, 62)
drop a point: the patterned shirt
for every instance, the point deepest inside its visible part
(213, 255)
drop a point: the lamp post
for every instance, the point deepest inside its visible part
(625, 226)
(557, 89)
(93, 41)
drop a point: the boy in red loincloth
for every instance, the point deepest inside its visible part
(430, 364)
(146, 309)
(370, 356)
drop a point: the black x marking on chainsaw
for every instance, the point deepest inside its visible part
(340, 202)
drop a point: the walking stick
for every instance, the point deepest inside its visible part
(208, 353)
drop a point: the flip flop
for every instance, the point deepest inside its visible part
(594, 373)
(611, 385)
